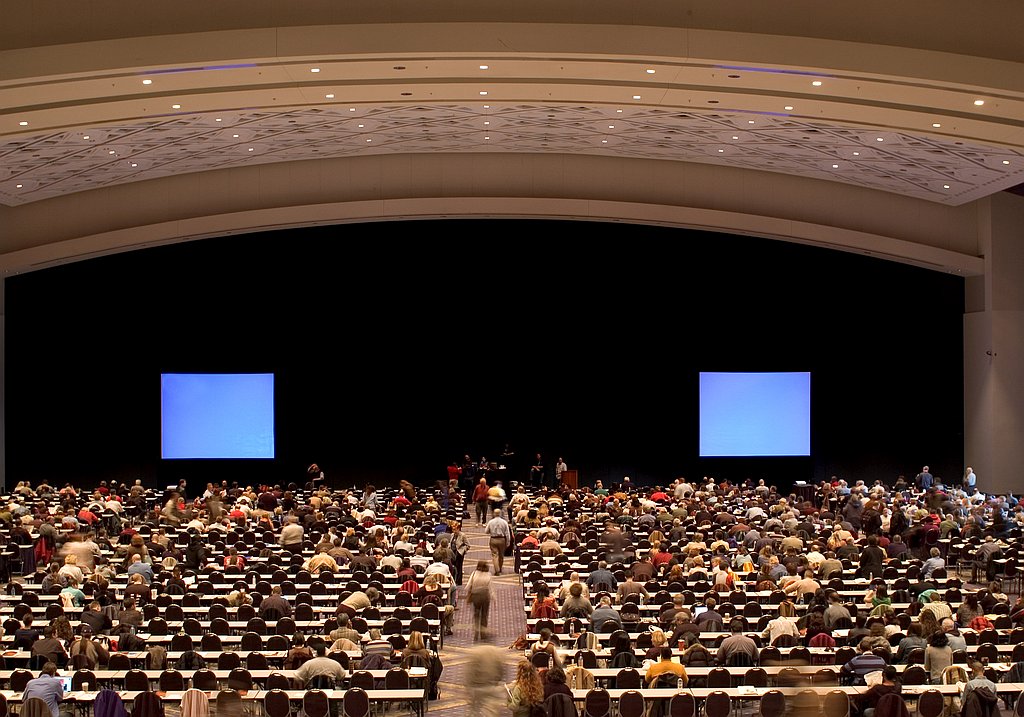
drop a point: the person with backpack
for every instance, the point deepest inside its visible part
(544, 604)
(526, 694)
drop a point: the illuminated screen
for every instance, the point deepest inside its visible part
(217, 415)
(755, 414)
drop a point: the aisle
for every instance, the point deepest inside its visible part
(507, 621)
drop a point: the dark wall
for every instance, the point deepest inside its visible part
(400, 346)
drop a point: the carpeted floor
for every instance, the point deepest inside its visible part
(507, 621)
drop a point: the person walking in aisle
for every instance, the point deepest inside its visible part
(501, 535)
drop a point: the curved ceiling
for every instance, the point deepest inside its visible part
(924, 101)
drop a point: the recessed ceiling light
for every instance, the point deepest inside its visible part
(111, 152)
(879, 139)
(23, 123)
(636, 97)
(147, 82)
(329, 96)
(835, 166)
(175, 107)
(85, 136)
(936, 125)
(856, 154)
(485, 67)
(314, 69)
(979, 103)
(816, 83)
(235, 136)
(611, 126)
(218, 120)
(788, 107)
(1006, 161)
(19, 186)
(487, 107)
(134, 164)
(750, 121)
(486, 123)
(945, 186)
(369, 140)
(651, 72)
(483, 92)
(618, 112)
(251, 149)
(361, 126)
(721, 150)
(351, 109)
(604, 141)
(486, 137)
(735, 137)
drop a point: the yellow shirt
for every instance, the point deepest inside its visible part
(661, 667)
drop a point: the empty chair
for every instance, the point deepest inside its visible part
(396, 679)
(719, 677)
(277, 704)
(83, 677)
(627, 679)
(172, 681)
(755, 677)
(315, 703)
(205, 680)
(836, 704)
(597, 703)
(228, 661)
(930, 704)
(211, 643)
(229, 704)
(136, 681)
(256, 661)
(631, 704)
(240, 679)
(277, 681)
(147, 704)
(682, 705)
(362, 679)
(355, 703)
(251, 641)
(772, 704)
(181, 642)
(118, 661)
(717, 704)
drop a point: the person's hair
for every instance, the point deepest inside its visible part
(416, 641)
(556, 675)
(658, 638)
(738, 625)
(890, 673)
(482, 565)
(342, 619)
(576, 589)
(938, 639)
(914, 630)
(977, 667)
(318, 646)
(666, 653)
(372, 594)
(48, 669)
(531, 688)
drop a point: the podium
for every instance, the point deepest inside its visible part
(571, 478)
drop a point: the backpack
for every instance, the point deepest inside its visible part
(191, 660)
(543, 610)
(539, 710)
(980, 623)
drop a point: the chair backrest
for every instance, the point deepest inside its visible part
(136, 680)
(930, 703)
(719, 677)
(562, 705)
(717, 704)
(147, 704)
(597, 703)
(773, 704)
(229, 704)
(355, 703)
(628, 679)
(836, 704)
(277, 704)
(315, 704)
(631, 704)
(205, 680)
(172, 681)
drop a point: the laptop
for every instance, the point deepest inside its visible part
(65, 683)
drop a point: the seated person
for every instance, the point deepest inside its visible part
(665, 666)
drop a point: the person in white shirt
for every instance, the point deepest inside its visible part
(780, 626)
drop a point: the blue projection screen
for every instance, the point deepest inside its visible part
(755, 414)
(217, 415)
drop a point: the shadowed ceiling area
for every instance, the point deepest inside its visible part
(107, 121)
